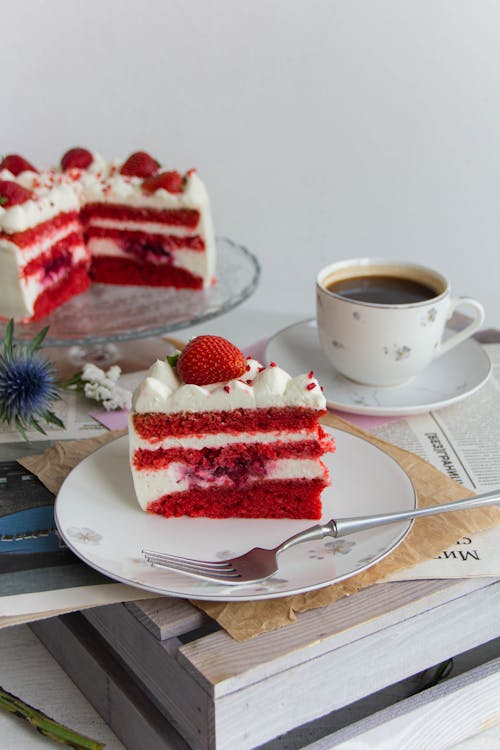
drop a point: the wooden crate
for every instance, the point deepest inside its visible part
(309, 681)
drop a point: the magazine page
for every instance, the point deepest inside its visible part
(463, 441)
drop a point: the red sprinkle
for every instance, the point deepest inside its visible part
(227, 388)
(272, 364)
(261, 369)
(311, 374)
(311, 386)
(247, 368)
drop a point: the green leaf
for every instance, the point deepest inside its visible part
(36, 424)
(172, 359)
(52, 418)
(37, 341)
(21, 427)
(75, 382)
(7, 341)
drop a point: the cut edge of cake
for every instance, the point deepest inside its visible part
(245, 447)
(65, 228)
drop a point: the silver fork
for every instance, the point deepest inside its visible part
(259, 564)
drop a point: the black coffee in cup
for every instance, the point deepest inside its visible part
(381, 322)
(382, 289)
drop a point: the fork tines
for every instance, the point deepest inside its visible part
(206, 568)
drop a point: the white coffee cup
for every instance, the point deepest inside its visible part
(381, 322)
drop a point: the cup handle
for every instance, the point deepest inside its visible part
(469, 329)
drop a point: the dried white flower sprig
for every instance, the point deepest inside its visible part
(101, 386)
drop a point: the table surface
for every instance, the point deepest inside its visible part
(29, 671)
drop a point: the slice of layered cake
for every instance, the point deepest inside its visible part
(148, 226)
(89, 220)
(43, 257)
(221, 436)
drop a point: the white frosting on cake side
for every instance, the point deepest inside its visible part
(56, 192)
(50, 198)
(259, 387)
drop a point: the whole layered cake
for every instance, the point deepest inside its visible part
(95, 221)
(219, 435)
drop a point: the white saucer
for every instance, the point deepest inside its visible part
(448, 379)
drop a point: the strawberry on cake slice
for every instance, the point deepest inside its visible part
(214, 434)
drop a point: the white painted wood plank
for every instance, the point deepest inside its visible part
(166, 617)
(257, 705)
(488, 739)
(438, 718)
(180, 698)
(29, 671)
(224, 665)
(303, 693)
(107, 685)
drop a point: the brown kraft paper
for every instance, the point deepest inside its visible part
(427, 538)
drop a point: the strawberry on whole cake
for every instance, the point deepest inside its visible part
(89, 220)
(215, 434)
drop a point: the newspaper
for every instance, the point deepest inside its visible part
(463, 441)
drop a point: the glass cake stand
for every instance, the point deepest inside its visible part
(89, 324)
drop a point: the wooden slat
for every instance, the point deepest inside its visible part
(245, 694)
(318, 631)
(166, 617)
(303, 693)
(180, 698)
(107, 684)
(437, 718)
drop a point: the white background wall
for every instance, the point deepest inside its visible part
(323, 128)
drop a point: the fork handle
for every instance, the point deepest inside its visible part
(344, 526)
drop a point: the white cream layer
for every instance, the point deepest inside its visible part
(189, 260)
(27, 253)
(218, 440)
(56, 192)
(161, 391)
(47, 203)
(19, 294)
(151, 227)
(151, 485)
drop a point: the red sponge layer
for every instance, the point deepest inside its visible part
(42, 231)
(140, 243)
(53, 261)
(234, 455)
(155, 426)
(184, 217)
(74, 282)
(276, 498)
(114, 270)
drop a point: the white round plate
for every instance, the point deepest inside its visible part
(98, 517)
(448, 379)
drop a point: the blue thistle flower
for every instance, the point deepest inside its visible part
(28, 385)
